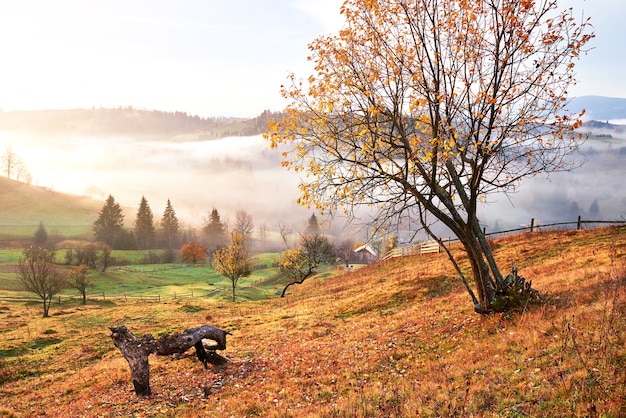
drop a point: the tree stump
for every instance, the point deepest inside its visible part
(136, 351)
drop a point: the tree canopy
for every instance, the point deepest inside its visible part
(422, 109)
(301, 263)
(233, 261)
(215, 231)
(109, 226)
(145, 232)
(169, 230)
(38, 274)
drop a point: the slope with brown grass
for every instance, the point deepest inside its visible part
(23, 206)
(398, 338)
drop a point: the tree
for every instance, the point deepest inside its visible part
(10, 161)
(79, 280)
(38, 274)
(145, 232)
(215, 231)
(313, 226)
(170, 230)
(345, 251)
(263, 235)
(594, 208)
(233, 261)
(243, 225)
(193, 252)
(301, 263)
(41, 235)
(285, 231)
(422, 109)
(109, 226)
(105, 255)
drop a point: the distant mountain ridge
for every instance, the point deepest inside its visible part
(154, 123)
(130, 121)
(599, 108)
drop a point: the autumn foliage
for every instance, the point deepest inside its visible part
(233, 260)
(420, 110)
(193, 252)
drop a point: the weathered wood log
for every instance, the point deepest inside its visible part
(136, 351)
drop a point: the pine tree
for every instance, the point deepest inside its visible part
(144, 226)
(215, 231)
(110, 223)
(313, 227)
(41, 235)
(169, 227)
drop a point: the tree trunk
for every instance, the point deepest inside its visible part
(46, 306)
(495, 293)
(136, 350)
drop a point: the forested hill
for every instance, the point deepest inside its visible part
(130, 121)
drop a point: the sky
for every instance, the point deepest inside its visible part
(205, 57)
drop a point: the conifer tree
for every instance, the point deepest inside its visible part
(144, 226)
(215, 231)
(313, 227)
(41, 235)
(170, 229)
(110, 223)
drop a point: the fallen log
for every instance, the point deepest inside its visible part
(136, 351)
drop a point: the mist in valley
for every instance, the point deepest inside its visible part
(242, 173)
(230, 174)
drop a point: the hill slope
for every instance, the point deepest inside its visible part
(129, 121)
(23, 206)
(398, 338)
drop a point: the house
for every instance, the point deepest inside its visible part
(365, 254)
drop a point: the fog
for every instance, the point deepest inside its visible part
(229, 174)
(243, 173)
(594, 191)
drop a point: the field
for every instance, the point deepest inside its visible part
(395, 339)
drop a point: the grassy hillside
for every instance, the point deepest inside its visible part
(23, 206)
(398, 338)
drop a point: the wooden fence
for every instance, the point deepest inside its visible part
(532, 226)
(57, 299)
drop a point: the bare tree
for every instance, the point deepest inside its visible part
(10, 162)
(345, 251)
(38, 274)
(23, 174)
(243, 225)
(262, 234)
(285, 231)
(422, 109)
(79, 280)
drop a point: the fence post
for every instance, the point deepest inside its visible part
(578, 223)
(532, 224)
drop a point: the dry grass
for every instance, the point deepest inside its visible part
(397, 339)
